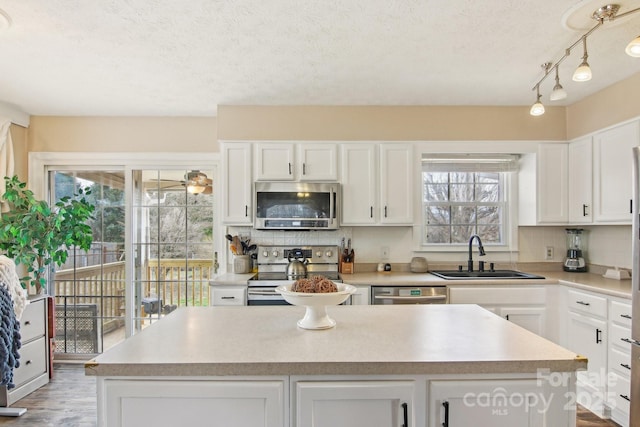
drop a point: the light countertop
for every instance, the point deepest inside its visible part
(586, 281)
(368, 340)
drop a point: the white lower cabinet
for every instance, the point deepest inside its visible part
(228, 295)
(619, 361)
(134, 403)
(355, 403)
(522, 305)
(362, 295)
(498, 403)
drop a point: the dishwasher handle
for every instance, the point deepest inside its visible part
(411, 298)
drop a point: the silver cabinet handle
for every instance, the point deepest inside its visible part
(411, 298)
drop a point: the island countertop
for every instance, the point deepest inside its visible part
(367, 340)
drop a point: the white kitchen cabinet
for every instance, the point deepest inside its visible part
(359, 177)
(580, 181)
(355, 403)
(619, 360)
(236, 184)
(33, 372)
(301, 162)
(228, 295)
(495, 403)
(377, 184)
(396, 184)
(613, 165)
(362, 295)
(215, 403)
(543, 186)
(587, 336)
(522, 305)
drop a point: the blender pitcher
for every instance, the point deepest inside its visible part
(574, 262)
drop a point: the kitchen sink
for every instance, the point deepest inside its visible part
(483, 275)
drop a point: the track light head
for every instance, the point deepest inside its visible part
(633, 48)
(537, 109)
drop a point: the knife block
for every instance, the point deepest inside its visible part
(346, 267)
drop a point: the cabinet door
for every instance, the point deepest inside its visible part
(505, 403)
(396, 184)
(586, 336)
(192, 403)
(354, 403)
(362, 295)
(580, 181)
(317, 162)
(530, 318)
(237, 184)
(552, 177)
(613, 173)
(359, 184)
(275, 162)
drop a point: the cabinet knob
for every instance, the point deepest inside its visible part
(27, 322)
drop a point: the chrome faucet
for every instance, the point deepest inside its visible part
(480, 251)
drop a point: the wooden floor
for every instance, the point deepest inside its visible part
(69, 400)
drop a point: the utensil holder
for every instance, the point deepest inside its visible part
(241, 264)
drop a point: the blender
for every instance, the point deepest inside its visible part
(574, 261)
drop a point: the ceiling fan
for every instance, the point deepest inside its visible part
(196, 182)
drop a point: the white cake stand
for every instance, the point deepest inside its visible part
(315, 316)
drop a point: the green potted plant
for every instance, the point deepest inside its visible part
(36, 235)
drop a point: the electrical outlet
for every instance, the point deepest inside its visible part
(384, 252)
(548, 252)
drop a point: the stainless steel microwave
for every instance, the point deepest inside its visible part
(296, 205)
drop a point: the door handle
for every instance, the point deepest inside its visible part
(624, 365)
(584, 210)
(583, 303)
(304, 169)
(371, 212)
(446, 414)
(626, 316)
(405, 414)
(598, 336)
(289, 168)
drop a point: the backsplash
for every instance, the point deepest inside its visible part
(607, 245)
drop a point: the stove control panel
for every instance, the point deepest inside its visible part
(313, 254)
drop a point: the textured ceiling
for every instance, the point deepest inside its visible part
(184, 58)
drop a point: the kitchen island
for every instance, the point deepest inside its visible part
(381, 365)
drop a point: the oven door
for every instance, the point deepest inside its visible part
(264, 295)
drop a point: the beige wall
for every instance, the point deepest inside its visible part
(614, 104)
(123, 134)
(388, 123)
(20, 151)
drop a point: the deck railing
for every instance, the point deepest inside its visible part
(179, 282)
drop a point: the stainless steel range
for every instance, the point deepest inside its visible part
(272, 270)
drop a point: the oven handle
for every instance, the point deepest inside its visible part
(263, 292)
(411, 298)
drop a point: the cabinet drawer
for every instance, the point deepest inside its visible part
(32, 322)
(619, 390)
(229, 296)
(497, 295)
(588, 303)
(620, 312)
(33, 361)
(618, 334)
(620, 362)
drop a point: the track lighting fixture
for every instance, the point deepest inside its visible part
(583, 72)
(537, 109)
(558, 91)
(608, 12)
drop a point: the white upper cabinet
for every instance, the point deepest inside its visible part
(237, 184)
(580, 181)
(377, 184)
(612, 186)
(275, 162)
(543, 186)
(296, 162)
(396, 183)
(359, 184)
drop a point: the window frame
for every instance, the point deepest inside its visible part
(510, 215)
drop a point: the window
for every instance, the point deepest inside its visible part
(465, 195)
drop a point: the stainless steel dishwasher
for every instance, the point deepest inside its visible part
(388, 295)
